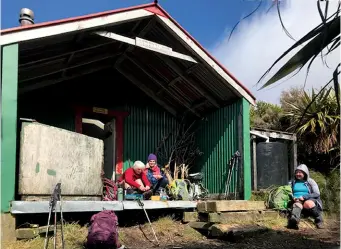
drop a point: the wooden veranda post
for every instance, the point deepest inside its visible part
(246, 157)
(9, 97)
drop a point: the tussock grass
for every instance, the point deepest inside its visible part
(167, 229)
(74, 236)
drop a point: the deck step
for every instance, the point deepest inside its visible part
(237, 217)
(228, 206)
(32, 232)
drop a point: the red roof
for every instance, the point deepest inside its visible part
(152, 7)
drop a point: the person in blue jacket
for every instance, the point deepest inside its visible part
(306, 198)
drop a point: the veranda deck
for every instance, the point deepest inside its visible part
(34, 207)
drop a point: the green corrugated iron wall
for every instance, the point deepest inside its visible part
(143, 130)
(217, 137)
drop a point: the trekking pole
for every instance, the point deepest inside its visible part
(237, 155)
(142, 206)
(62, 221)
(227, 178)
(55, 230)
(233, 161)
(59, 198)
(52, 206)
(48, 225)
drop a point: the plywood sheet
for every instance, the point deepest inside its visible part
(49, 155)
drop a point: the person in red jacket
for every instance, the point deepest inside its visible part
(135, 179)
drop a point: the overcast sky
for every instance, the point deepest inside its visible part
(260, 40)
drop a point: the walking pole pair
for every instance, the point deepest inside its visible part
(229, 176)
(232, 164)
(56, 196)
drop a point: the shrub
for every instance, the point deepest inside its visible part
(330, 190)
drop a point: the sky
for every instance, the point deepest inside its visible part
(254, 45)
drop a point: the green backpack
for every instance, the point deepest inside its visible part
(178, 189)
(279, 197)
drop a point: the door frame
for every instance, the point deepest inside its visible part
(119, 128)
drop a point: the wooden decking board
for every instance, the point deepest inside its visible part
(225, 206)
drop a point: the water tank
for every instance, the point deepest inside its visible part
(272, 164)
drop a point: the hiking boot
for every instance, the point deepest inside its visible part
(147, 194)
(319, 222)
(319, 225)
(293, 223)
(317, 214)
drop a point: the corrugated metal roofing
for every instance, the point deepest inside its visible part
(157, 33)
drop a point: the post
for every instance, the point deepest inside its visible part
(246, 158)
(9, 97)
(8, 134)
(254, 160)
(293, 158)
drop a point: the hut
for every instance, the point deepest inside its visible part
(125, 78)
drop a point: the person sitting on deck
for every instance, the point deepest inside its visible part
(135, 180)
(306, 198)
(154, 174)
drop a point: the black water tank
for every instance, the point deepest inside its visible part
(272, 164)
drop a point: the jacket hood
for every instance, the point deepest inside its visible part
(303, 168)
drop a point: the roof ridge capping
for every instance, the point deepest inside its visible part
(153, 9)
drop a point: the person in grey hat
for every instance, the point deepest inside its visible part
(306, 198)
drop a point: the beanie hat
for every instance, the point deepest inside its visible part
(152, 157)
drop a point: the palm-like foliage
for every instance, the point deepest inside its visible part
(316, 119)
(325, 35)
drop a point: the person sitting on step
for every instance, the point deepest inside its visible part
(157, 179)
(135, 180)
(306, 198)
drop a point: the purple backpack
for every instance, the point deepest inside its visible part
(103, 230)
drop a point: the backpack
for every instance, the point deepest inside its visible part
(109, 189)
(103, 230)
(178, 189)
(279, 197)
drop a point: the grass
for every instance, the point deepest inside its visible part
(167, 230)
(74, 236)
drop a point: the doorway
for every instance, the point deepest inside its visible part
(102, 127)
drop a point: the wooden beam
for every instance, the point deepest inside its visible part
(177, 98)
(178, 78)
(147, 91)
(98, 21)
(146, 44)
(93, 60)
(195, 106)
(235, 217)
(194, 85)
(52, 82)
(61, 55)
(67, 62)
(205, 57)
(142, 33)
(236, 232)
(225, 206)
